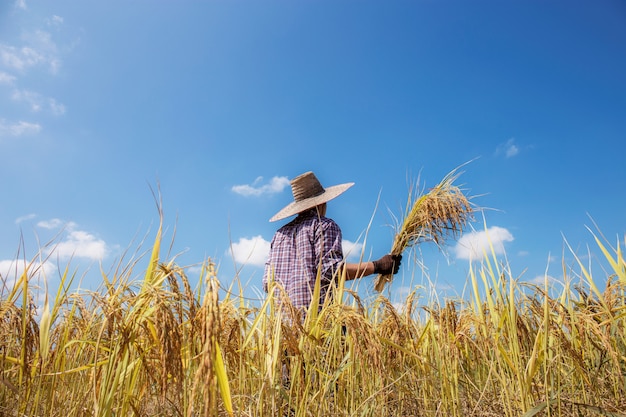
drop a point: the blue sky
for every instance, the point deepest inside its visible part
(218, 103)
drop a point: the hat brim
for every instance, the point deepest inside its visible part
(296, 207)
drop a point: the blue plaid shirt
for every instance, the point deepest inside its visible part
(297, 249)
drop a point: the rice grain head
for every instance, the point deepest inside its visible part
(440, 214)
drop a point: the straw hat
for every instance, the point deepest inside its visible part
(307, 193)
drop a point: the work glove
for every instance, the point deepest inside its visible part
(388, 264)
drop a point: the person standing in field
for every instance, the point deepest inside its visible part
(310, 246)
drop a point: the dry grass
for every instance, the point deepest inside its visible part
(440, 214)
(157, 346)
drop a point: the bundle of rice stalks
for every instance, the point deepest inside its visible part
(441, 213)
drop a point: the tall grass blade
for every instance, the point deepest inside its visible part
(222, 379)
(44, 329)
(618, 264)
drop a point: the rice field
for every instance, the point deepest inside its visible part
(158, 346)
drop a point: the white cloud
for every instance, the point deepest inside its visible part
(75, 243)
(474, 245)
(11, 270)
(6, 78)
(509, 149)
(351, 250)
(276, 185)
(81, 244)
(18, 128)
(252, 251)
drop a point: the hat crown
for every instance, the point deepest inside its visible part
(308, 193)
(306, 186)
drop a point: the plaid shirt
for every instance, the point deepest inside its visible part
(297, 249)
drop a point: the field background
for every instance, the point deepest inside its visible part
(156, 346)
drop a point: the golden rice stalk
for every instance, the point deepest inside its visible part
(441, 213)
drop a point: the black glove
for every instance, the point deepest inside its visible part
(388, 264)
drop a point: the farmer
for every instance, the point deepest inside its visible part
(311, 244)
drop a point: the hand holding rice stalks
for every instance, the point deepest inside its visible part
(441, 213)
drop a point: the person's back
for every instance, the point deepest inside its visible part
(299, 249)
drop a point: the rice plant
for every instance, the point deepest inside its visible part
(149, 343)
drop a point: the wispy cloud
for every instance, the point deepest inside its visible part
(25, 218)
(474, 245)
(20, 58)
(38, 49)
(257, 188)
(41, 41)
(20, 128)
(35, 50)
(37, 102)
(251, 251)
(509, 149)
(20, 4)
(6, 79)
(54, 224)
(55, 21)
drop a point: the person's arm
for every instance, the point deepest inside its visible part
(388, 264)
(358, 270)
